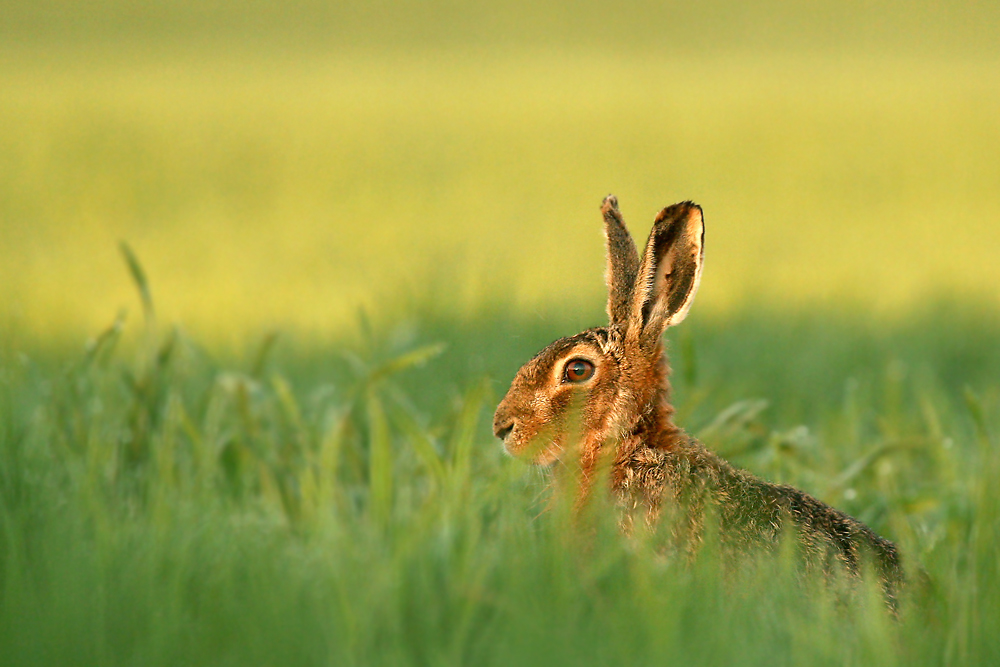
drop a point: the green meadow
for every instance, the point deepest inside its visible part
(266, 270)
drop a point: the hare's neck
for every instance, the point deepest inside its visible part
(652, 414)
(654, 428)
(642, 448)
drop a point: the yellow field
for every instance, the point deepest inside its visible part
(268, 190)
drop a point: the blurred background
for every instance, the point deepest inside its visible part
(281, 164)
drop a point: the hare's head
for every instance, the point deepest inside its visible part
(605, 383)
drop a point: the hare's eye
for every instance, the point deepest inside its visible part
(578, 370)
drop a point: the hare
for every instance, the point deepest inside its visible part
(609, 387)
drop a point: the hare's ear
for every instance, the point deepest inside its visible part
(670, 272)
(623, 262)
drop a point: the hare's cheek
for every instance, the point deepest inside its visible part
(541, 408)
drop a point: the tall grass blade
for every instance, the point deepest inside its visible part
(100, 348)
(464, 433)
(290, 408)
(328, 459)
(380, 462)
(977, 412)
(263, 355)
(421, 441)
(405, 361)
(734, 418)
(139, 278)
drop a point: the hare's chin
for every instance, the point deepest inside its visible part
(547, 457)
(515, 449)
(512, 446)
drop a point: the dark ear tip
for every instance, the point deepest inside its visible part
(686, 211)
(610, 203)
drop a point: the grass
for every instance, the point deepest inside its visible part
(347, 505)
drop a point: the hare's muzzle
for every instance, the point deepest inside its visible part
(503, 429)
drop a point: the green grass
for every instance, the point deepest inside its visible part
(346, 504)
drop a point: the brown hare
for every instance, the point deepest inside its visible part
(606, 391)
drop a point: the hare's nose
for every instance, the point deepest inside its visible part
(502, 430)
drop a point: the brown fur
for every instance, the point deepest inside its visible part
(626, 407)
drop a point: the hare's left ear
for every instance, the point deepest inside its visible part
(669, 273)
(623, 262)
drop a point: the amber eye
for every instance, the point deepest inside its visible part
(578, 370)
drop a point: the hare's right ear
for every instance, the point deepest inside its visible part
(623, 262)
(670, 272)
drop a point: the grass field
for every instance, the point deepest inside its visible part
(354, 222)
(165, 505)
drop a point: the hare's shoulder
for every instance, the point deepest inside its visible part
(751, 509)
(685, 469)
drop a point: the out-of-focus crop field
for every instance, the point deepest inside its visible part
(273, 174)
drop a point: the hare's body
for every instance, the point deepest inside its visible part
(750, 511)
(607, 389)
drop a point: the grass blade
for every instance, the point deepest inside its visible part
(139, 278)
(379, 461)
(464, 433)
(405, 361)
(421, 442)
